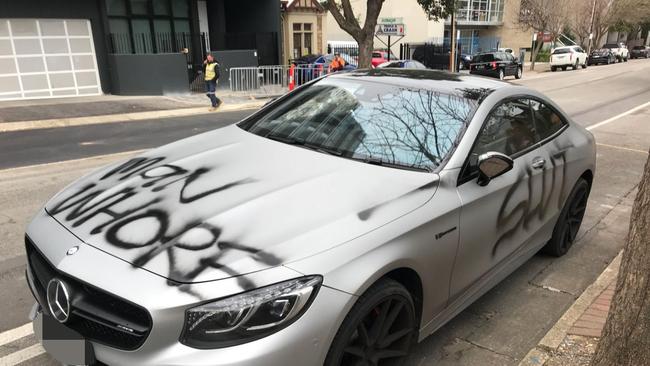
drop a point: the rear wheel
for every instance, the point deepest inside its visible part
(584, 65)
(563, 68)
(553, 68)
(568, 223)
(379, 330)
(575, 66)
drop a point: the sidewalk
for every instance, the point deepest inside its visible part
(574, 337)
(62, 112)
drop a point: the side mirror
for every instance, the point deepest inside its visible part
(491, 165)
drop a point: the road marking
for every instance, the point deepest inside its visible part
(610, 120)
(22, 355)
(16, 333)
(622, 148)
(116, 155)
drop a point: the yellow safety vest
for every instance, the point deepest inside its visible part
(210, 73)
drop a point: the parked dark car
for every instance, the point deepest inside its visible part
(402, 64)
(465, 60)
(496, 64)
(601, 56)
(640, 52)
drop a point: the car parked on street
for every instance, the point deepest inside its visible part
(465, 61)
(380, 57)
(496, 64)
(568, 56)
(403, 64)
(601, 56)
(339, 225)
(640, 52)
(619, 50)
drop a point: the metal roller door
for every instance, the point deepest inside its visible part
(47, 58)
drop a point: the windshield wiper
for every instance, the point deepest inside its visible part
(381, 162)
(305, 144)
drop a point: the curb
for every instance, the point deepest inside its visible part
(554, 337)
(123, 117)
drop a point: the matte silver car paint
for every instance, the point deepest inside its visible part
(220, 198)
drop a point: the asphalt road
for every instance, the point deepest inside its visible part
(497, 330)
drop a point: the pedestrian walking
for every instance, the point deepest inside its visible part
(211, 72)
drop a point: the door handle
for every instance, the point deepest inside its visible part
(538, 163)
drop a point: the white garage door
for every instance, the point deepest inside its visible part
(47, 58)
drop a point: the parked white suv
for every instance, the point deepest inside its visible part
(566, 56)
(619, 50)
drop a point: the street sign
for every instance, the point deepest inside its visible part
(390, 30)
(392, 20)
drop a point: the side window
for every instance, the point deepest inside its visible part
(547, 121)
(509, 129)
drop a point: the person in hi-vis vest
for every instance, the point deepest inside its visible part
(211, 72)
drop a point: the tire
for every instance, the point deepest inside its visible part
(351, 347)
(584, 65)
(519, 73)
(625, 59)
(575, 67)
(568, 223)
(502, 74)
(553, 68)
(609, 61)
(563, 68)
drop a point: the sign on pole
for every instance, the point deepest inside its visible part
(390, 27)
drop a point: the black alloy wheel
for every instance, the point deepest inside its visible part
(568, 223)
(379, 330)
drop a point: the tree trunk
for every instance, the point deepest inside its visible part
(365, 52)
(536, 50)
(626, 336)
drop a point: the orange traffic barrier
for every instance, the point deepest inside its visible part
(292, 83)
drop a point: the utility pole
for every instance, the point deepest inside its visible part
(452, 40)
(591, 28)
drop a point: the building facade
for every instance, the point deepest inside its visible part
(418, 26)
(489, 24)
(304, 28)
(56, 48)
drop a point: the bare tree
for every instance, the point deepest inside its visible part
(344, 15)
(626, 337)
(548, 16)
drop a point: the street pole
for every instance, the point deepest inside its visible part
(591, 28)
(452, 40)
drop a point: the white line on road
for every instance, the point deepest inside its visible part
(16, 333)
(622, 148)
(22, 355)
(609, 120)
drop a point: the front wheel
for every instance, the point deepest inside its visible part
(625, 59)
(553, 68)
(379, 330)
(501, 74)
(584, 65)
(568, 223)
(519, 73)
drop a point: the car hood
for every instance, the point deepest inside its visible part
(227, 203)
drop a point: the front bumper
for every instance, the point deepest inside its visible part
(305, 342)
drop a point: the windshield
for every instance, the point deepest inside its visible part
(368, 121)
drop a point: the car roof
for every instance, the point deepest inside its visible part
(438, 80)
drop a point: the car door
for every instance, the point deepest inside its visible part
(497, 220)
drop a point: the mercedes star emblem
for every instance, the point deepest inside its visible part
(58, 300)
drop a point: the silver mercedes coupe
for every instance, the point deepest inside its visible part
(338, 225)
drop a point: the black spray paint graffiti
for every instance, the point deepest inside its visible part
(524, 212)
(91, 201)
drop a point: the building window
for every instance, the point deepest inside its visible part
(148, 26)
(480, 10)
(302, 32)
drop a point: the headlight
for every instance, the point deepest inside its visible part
(248, 316)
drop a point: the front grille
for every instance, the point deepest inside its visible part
(95, 314)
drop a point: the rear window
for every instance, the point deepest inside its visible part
(485, 57)
(560, 51)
